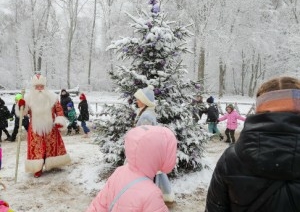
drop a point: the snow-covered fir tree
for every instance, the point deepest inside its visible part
(155, 56)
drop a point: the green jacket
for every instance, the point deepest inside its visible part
(72, 116)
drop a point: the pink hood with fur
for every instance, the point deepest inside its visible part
(148, 149)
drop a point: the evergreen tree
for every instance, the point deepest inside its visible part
(155, 56)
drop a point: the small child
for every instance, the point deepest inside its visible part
(4, 115)
(83, 114)
(232, 116)
(212, 117)
(72, 119)
(148, 149)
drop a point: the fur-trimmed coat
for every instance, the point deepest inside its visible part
(45, 145)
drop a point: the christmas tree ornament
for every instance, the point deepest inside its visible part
(155, 8)
(130, 101)
(157, 91)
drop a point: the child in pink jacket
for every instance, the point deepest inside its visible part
(130, 188)
(232, 116)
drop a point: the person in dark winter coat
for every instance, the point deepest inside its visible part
(261, 172)
(64, 100)
(4, 115)
(83, 114)
(25, 121)
(72, 119)
(212, 117)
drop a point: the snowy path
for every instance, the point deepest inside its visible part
(72, 188)
(59, 190)
(195, 201)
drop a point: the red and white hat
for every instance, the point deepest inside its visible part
(38, 79)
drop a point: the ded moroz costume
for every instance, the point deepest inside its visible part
(45, 146)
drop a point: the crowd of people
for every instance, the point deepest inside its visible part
(260, 171)
(212, 117)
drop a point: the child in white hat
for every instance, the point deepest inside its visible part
(146, 104)
(147, 116)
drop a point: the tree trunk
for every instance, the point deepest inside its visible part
(195, 46)
(257, 72)
(44, 30)
(17, 52)
(33, 37)
(201, 65)
(222, 69)
(92, 43)
(73, 22)
(243, 74)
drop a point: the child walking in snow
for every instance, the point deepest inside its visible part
(232, 116)
(72, 119)
(148, 149)
(84, 114)
(212, 117)
(4, 115)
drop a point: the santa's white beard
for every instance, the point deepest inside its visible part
(40, 103)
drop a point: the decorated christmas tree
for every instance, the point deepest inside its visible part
(155, 59)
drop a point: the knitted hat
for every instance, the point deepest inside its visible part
(70, 104)
(146, 95)
(82, 97)
(63, 90)
(38, 79)
(18, 97)
(286, 100)
(230, 106)
(210, 100)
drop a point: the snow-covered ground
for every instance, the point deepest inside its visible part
(73, 187)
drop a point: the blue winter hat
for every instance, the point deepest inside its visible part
(70, 104)
(210, 100)
(146, 95)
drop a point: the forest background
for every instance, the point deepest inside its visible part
(236, 44)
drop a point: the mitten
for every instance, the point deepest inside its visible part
(58, 126)
(21, 102)
(11, 119)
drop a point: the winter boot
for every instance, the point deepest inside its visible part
(77, 130)
(38, 174)
(69, 132)
(221, 137)
(8, 138)
(11, 139)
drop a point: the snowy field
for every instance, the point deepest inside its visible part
(73, 187)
